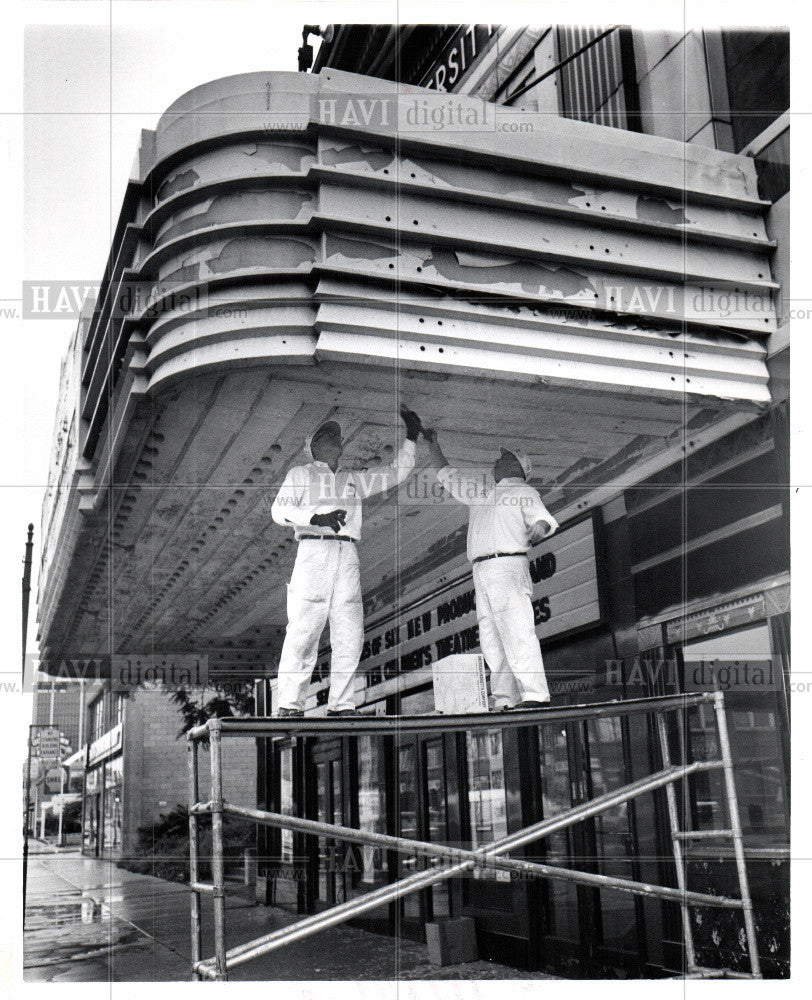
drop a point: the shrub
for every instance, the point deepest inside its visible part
(163, 846)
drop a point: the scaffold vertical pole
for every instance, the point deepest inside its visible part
(676, 846)
(736, 829)
(194, 848)
(217, 862)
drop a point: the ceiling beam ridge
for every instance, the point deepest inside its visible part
(195, 489)
(208, 567)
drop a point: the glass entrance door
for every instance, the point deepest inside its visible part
(436, 817)
(422, 815)
(594, 930)
(91, 826)
(412, 907)
(558, 792)
(331, 853)
(618, 940)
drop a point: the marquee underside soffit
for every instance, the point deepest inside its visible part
(182, 554)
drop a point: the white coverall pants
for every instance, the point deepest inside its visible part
(507, 631)
(325, 584)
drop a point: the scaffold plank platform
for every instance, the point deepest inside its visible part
(310, 725)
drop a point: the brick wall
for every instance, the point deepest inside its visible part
(156, 764)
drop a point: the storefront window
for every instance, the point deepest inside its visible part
(487, 801)
(612, 836)
(333, 854)
(371, 810)
(407, 792)
(93, 780)
(112, 803)
(286, 801)
(322, 812)
(751, 680)
(90, 825)
(340, 846)
(438, 831)
(756, 65)
(555, 798)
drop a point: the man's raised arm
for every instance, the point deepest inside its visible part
(465, 485)
(379, 480)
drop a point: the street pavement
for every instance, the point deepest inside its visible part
(90, 921)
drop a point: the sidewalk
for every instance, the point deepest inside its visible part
(89, 921)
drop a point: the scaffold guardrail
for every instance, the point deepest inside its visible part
(458, 860)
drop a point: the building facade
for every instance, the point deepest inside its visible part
(136, 768)
(694, 560)
(460, 234)
(60, 703)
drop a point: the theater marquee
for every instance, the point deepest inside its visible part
(565, 598)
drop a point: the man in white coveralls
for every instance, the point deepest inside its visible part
(323, 506)
(507, 516)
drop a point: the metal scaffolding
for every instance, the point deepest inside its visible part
(453, 861)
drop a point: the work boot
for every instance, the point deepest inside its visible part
(290, 713)
(523, 706)
(341, 713)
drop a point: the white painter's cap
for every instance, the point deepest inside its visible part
(521, 458)
(319, 430)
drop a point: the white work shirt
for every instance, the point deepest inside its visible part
(501, 513)
(315, 489)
